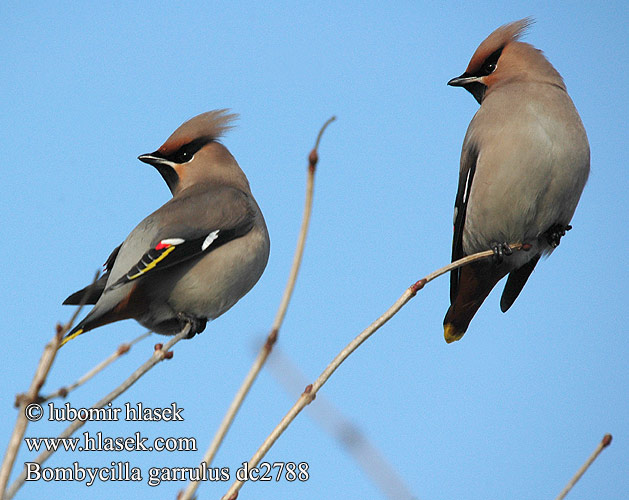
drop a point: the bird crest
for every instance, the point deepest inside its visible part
(497, 40)
(210, 126)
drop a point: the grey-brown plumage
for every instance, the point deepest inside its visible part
(524, 163)
(197, 255)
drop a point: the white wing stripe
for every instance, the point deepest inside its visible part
(172, 241)
(209, 239)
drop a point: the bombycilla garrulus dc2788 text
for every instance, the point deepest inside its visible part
(197, 255)
(524, 164)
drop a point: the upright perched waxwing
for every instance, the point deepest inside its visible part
(197, 255)
(524, 164)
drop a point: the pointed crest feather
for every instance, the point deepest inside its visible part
(498, 39)
(212, 124)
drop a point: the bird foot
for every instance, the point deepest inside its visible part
(197, 325)
(500, 251)
(554, 234)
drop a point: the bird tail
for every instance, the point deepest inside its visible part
(516, 281)
(98, 316)
(88, 295)
(72, 334)
(476, 281)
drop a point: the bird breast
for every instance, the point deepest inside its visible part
(234, 267)
(532, 165)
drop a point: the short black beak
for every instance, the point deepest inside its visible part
(461, 81)
(472, 84)
(150, 158)
(164, 167)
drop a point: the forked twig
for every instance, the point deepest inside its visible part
(605, 442)
(311, 390)
(120, 351)
(161, 352)
(260, 360)
(32, 395)
(22, 401)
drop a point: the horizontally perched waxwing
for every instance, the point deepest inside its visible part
(197, 255)
(524, 164)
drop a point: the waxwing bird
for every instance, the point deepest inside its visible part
(524, 164)
(197, 255)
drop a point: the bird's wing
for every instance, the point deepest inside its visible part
(466, 175)
(191, 225)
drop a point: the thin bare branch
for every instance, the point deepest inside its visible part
(311, 390)
(23, 400)
(345, 432)
(32, 396)
(161, 352)
(605, 442)
(262, 356)
(119, 352)
(313, 159)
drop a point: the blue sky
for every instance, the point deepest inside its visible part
(511, 411)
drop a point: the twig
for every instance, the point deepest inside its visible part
(257, 365)
(313, 159)
(607, 439)
(23, 400)
(345, 432)
(119, 352)
(32, 396)
(311, 390)
(161, 352)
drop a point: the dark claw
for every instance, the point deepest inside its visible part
(555, 233)
(500, 250)
(197, 325)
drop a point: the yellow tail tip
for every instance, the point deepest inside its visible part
(451, 333)
(68, 338)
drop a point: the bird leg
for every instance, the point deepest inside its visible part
(554, 234)
(500, 250)
(197, 325)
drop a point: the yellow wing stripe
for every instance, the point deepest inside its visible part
(152, 264)
(70, 337)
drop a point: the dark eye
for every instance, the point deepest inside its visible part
(186, 152)
(490, 64)
(183, 156)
